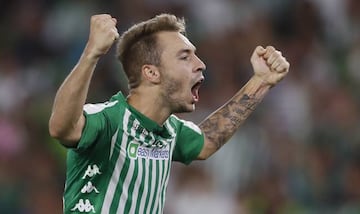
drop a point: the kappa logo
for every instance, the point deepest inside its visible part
(91, 171)
(137, 151)
(84, 207)
(88, 188)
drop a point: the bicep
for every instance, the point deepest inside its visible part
(208, 149)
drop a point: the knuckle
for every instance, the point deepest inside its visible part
(94, 17)
(105, 16)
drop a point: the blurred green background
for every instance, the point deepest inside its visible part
(298, 153)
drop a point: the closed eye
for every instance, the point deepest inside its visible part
(185, 57)
(185, 54)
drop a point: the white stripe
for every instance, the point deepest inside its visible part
(125, 189)
(192, 126)
(146, 184)
(127, 180)
(170, 128)
(113, 141)
(152, 141)
(118, 167)
(152, 185)
(132, 130)
(138, 181)
(167, 179)
(164, 174)
(163, 180)
(189, 124)
(159, 186)
(172, 148)
(167, 168)
(96, 108)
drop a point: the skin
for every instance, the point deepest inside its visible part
(181, 69)
(269, 68)
(67, 120)
(164, 89)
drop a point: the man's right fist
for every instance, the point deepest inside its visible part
(103, 33)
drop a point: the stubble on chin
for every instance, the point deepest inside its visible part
(171, 95)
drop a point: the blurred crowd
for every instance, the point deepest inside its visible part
(299, 152)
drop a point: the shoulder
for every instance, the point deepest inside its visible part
(180, 123)
(114, 103)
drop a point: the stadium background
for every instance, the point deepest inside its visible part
(298, 153)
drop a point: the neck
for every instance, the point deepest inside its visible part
(149, 104)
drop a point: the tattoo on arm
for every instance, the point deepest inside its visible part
(223, 123)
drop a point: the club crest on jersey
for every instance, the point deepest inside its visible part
(135, 150)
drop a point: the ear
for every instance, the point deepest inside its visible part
(151, 73)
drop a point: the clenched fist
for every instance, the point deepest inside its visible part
(103, 33)
(269, 65)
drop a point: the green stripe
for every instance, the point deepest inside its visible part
(109, 195)
(131, 189)
(163, 195)
(148, 138)
(149, 188)
(141, 189)
(124, 171)
(163, 182)
(156, 185)
(162, 191)
(137, 132)
(110, 169)
(115, 155)
(119, 187)
(166, 177)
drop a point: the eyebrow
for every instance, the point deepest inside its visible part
(185, 50)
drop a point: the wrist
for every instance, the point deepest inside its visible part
(260, 82)
(256, 88)
(90, 53)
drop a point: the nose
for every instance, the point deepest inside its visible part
(200, 65)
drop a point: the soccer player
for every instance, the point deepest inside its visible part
(120, 151)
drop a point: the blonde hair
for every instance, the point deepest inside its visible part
(138, 45)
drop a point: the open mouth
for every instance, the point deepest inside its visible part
(195, 90)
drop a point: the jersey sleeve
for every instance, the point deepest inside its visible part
(97, 124)
(189, 143)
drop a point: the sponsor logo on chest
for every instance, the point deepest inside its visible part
(136, 150)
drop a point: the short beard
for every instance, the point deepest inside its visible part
(170, 89)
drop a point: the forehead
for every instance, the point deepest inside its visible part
(174, 41)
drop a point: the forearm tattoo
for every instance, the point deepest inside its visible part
(223, 123)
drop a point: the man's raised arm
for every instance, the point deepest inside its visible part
(269, 68)
(67, 119)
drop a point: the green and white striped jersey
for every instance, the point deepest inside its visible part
(123, 160)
